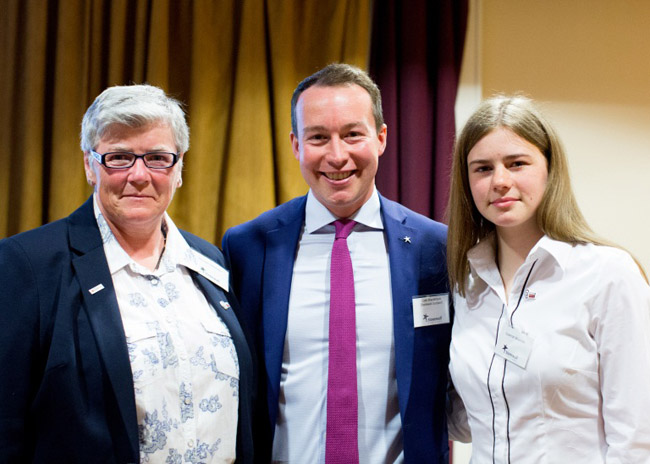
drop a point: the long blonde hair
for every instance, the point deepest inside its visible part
(558, 214)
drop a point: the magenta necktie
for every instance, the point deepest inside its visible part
(342, 424)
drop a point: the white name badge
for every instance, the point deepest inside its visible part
(514, 346)
(211, 270)
(430, 310)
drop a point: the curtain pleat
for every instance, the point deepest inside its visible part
(416, 57)
(23, 100)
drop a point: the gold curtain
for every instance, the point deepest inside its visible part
(234, 63)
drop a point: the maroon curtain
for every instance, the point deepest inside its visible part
(416, 54)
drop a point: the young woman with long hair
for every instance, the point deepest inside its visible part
(550, 350)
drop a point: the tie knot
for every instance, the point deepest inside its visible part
(343, 228)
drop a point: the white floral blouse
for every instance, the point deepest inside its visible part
(183, 360)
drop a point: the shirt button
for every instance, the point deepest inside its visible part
(188, 401)
(190, 444)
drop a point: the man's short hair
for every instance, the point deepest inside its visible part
(340, 74)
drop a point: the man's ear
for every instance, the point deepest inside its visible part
(295, 145)
(381, 135)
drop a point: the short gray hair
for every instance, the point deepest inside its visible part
(133, 106)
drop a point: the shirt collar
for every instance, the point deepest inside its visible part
(177, 250)
(557, 250)
(482, 257)
(116, 257)
(318, 216)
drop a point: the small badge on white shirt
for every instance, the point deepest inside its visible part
(211, 270)
(514, 346)
(530, 294)
(430, 310)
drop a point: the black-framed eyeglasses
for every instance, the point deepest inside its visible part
(125, 159)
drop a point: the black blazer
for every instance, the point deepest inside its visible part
(66, 388)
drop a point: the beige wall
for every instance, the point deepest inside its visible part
(588, 62)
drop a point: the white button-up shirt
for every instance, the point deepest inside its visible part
(302, 415)
(584, 393)
(184, 364)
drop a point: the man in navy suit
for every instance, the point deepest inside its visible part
(119, 339)
(280, 266)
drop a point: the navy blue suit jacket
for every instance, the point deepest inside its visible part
(261, 255)
(66, 383)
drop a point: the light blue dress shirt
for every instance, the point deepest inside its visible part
(301, 425)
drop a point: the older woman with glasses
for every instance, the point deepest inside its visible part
(120, 343)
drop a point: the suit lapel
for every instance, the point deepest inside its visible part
(280, 249)
(103, 312)
(404, 258)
